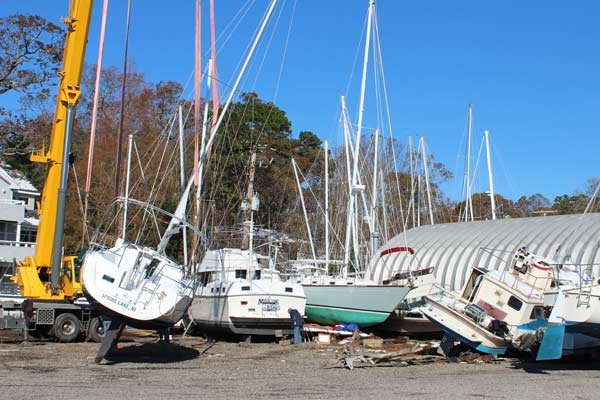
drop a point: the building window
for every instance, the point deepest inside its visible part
(28, 235)
(20, 198)
(8, 231)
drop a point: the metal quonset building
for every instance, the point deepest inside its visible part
(455, 247)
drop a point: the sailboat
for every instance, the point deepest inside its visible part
(344, 296)
(333, 300)
(240, 291)
(135, 283)
(133, 279)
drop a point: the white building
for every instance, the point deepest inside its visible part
(453, 248)
(18, 223)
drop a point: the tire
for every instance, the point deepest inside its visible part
(95, 331)
(67, 327)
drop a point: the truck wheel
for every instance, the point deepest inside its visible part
(95, 331)
(67, 327)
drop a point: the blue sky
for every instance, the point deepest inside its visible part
(531, 69)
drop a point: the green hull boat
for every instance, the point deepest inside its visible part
(363, 305)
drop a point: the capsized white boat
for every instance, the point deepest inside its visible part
(241, 292)
(501, 309)
(134, 283)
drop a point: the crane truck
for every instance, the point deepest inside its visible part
(51, 296)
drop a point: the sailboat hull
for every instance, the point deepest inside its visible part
(137, 285)
(247, 308)
(581, 310)
(363, 305)
(166, 320)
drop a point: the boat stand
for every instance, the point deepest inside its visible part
(448, 347)
(112, 331)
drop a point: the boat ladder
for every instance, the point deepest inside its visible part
(151, 286)
(584, 296)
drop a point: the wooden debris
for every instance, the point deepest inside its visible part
(410, 354)
(324, 338)
(373, 343)
(476, 358)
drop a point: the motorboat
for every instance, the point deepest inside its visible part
(497, 310)
(241, 292)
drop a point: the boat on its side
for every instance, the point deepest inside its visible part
(137, 284)
(497, 310)
(241, 292)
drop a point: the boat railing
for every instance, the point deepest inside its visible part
(525, 283)
(440, 294)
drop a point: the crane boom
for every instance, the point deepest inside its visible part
(41, 276)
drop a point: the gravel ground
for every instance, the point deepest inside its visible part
(192, 368)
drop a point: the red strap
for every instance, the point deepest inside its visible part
(397, 249)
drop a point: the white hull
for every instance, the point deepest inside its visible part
(136, 285)
(462, 328)
(258, 307)
(579, 310)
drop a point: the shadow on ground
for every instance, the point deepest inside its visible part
(570, 363)
(152, 353)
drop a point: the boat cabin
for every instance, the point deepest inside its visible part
(231, 264)
(515, 296)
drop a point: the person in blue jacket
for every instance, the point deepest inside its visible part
(297, 323)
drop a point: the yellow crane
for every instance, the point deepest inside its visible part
(50, 279)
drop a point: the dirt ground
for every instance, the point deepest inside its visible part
(142, 368)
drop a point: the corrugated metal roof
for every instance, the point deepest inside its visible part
(452, 249)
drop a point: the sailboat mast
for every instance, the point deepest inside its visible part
(412, 180)
(361, 105)
(490, 174)
(182, 177)
(249, 223)
(213, 69)
(352, 206)
(326, 205)
(177, 217)
(125, 203)
(469, 205)
(234, 88)
(349, 208)
(203, 149)
(428, 186)
(419, 200)
(122, 105)
(310, 239)
(374, 233)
